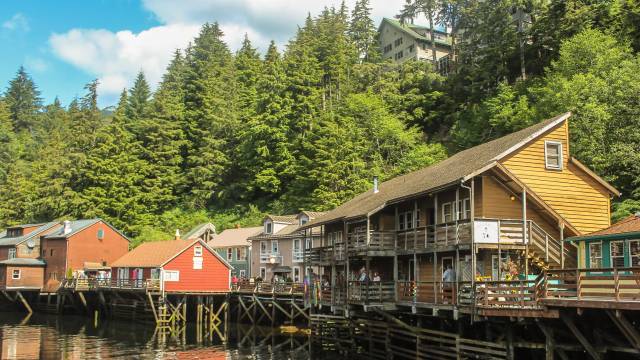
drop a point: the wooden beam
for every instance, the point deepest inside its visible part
(581, 338)
(266, 312)
(24, 302)
(626, 328)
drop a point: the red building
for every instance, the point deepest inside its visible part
(186, 266)
(75, 243)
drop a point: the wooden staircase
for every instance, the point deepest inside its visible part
(547, 252)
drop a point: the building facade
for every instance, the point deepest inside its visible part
(278, 250)
(234, 246)
(402, 42)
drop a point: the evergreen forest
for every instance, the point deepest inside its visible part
(229, 136)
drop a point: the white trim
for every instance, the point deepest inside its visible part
(171, 272)
(13, 274)
(590, 253)
(533, 136)
(197, 251)
(560, 155)
(623, 255)
(205, 246)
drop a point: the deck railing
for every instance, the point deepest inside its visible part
(371, 292)
(602, 284)
(86, 284)
(431, 292)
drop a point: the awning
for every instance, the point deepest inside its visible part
(281, 269)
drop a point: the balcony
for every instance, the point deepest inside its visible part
(270, 258)
(297, 255)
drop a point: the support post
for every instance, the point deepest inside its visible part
(24, 302)
(581, 338)
(524, 231)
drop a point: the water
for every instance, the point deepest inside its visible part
(74, 337)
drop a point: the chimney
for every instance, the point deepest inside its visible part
(177, 234)
(375, 185)
(67, 227)
(237, 226)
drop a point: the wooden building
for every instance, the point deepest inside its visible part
(174, 266)
(498, 211)
(279, 248)
(234, 246)
(21, 274)
(74, 243)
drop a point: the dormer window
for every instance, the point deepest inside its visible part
(304, 220)
(553, 155)
(17, 232)
(268, 227)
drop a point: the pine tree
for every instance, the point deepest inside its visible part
(23, 100)
(209, 115)
(363, 32)
(7, 141)
(138, 101)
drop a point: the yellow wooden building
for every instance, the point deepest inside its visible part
(494, 212)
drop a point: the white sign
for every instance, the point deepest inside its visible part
(486, 231)
(197, 263)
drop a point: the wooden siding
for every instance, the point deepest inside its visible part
(213, 277)
(571, 192)
(497, 204)
(56, 262)
(30, 276)
(85, 246)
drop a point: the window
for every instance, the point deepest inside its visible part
(595, 255)
(553, 155)
(229, 254)
(387, 48)
(464, 209)
(443, 65)
(16, 274)
(197, 250)
(263, 247)
(401, 221)
(242, 253)
(447, 212)
(411, 48)
(617, 253)
(399, 55)
(274, 247)
(303, 220)
(197, 263)
(263, 273)
(171, 275)
(242, 273)
(296, 274)
(297, 255)
(12, 253)
(100, 234)
(155, 273)
(51, 252)
(398, 42)
(268, 227)
(634, 253)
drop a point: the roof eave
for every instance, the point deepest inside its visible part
(617, 236)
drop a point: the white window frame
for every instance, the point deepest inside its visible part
(229, 254)
(13, 274)
(611, 256)
(197, 250)
(591, 254)
(546, 156)
(632, 261)
(242, 273)
(297, 254)
(11, 254)
(275, 249)
(171, 275)
(464, 209)
(268, 227)
(444, 213)
(241, 253)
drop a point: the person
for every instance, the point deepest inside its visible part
(449, 275)
(364, 277)
(234, 281)
(376, 277)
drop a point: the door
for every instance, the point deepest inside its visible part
(446, 262)
(412, 271)
(139, 277)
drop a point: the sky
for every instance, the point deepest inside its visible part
(65, 44)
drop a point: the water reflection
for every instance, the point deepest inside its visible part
(73, 337)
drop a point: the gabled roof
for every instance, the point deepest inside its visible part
(234, 237)
(157, 253)
(457, 168)
(628, 228)
(311, 214)
(283, 219)
(23, 262)
(199, 230)
(12, 241)
(79, 225)
(410, 29)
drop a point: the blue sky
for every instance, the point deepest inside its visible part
(64, 44)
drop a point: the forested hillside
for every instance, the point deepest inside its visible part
(227, 136)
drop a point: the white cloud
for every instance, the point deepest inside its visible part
(115, 57)
(17, 22)
(36, 64)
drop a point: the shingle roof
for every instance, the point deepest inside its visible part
(76, 225)
(11, 241)
(286, 219)
(152, 253)
(409, 29)
(157, 253)
(312, 214)
(627, 225)
(449, 171)
(234, 237)
(23, 262)
(198, 228)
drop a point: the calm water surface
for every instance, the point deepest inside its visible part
(75, 337)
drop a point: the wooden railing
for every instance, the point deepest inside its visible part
(431, 292)
(371, 292)
(602, 284)
(378, 240)
(264, 287)
(86, 284)
(424, 237)
(506, 294)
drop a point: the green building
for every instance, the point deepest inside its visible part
(233, 246)
(616, 246)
